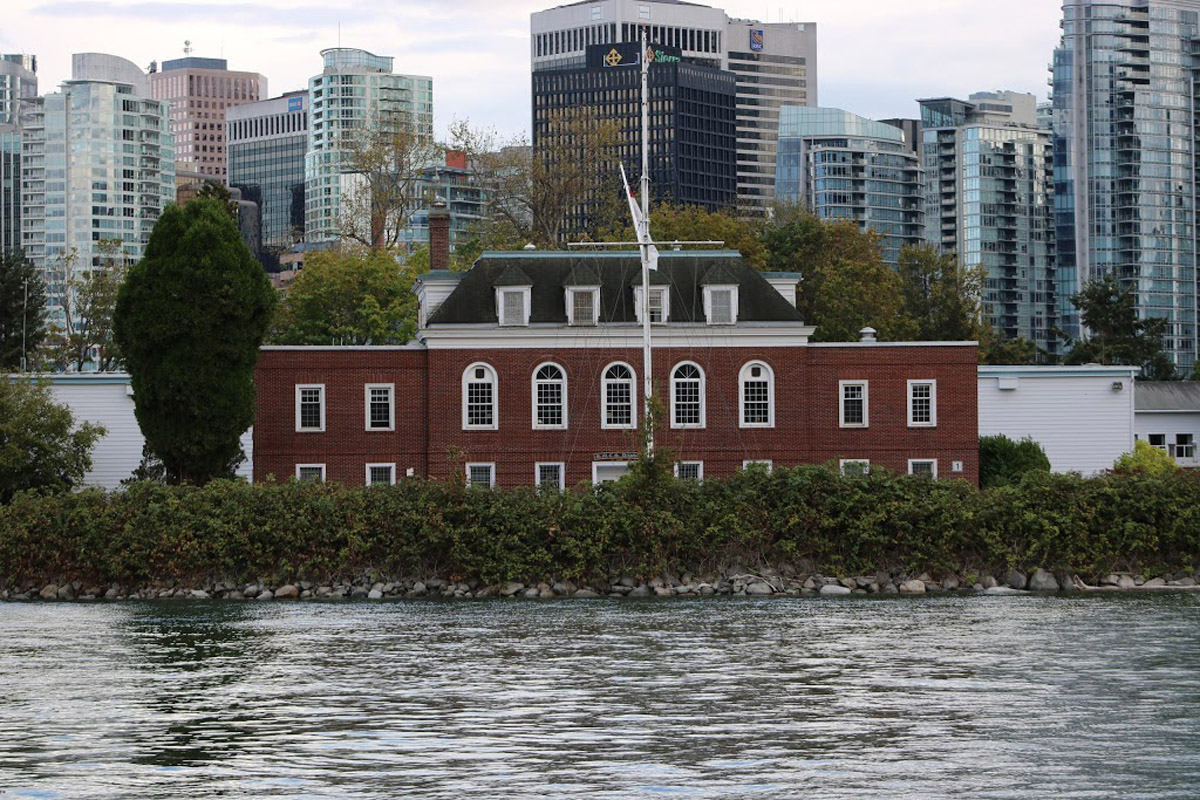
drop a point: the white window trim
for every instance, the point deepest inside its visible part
(666, 303)
(703, 398)
(367, 473)
(699, 468)
(570, 293)
(562, 473)
(766, 462)
(491, 465)
(534, 398)
(743, 376)
(866, 423)
(525, 291)
(311, 466)
(933, 461)
(932, 404)
(320, 386)
(597, 464)
(733, 303)
(866, 462)
(391, 387)
(633, 398)
(467, 379)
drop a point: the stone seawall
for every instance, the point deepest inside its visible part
(787, 582)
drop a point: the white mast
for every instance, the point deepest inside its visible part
(647, 382)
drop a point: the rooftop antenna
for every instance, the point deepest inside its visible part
(187, 47)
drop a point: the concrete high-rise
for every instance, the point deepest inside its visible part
(1125, 154)
(843, 166)
(198, 91)
(98, 166)
(18, 96)
(775, 64)
(988, 199)
(356, 91)
(267, 143)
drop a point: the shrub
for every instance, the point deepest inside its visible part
(1003, 461)
(1146, 458)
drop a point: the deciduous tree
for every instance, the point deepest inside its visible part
(85, 339)
(40, 445)
(190, 318)
(22, 309)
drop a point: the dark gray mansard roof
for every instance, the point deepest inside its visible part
(686, 273)
(1167, 396)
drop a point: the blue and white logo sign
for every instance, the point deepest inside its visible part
(756, 39)
(295, 104)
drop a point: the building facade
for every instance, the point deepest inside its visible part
(267, 144)
(1125, 157)
(527, 370)
(457, 186)
(18, 88)
(18, 97)
(1167, 416)
(198, 91)
(692, 131)
(842, 166)
(989, 199)
(774, 64)
(98, 166)
(356, 91)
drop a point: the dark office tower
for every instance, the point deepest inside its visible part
(692, 134)
(1125, 129)
(267, 142)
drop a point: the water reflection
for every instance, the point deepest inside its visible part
(1004, 697)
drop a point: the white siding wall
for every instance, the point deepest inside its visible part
(1072, 412)
(1171, 424)
(108, 400)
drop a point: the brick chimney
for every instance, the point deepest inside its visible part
(439, 236)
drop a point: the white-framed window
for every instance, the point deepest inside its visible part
(689, 470)
(620, 397)
(381, 474)
(756, 403)
(480, 407)
(550, 475)
(758, 463)
(480, 474)
(512, 305)
(853, 406)
(608, 471)
(583, 305)
(687, 396)
(549, 397)
(923, 466)
(310, 407)
(1158, 440)
(721, 305)
(660, 303)
(310, 473)
(380, 408)
(854, 467)
(922, 404)
(1185, 445)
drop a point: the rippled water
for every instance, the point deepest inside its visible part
(1095, 697)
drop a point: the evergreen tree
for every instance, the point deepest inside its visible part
(22, 309)
(941, 300)
(189, 321)
(1115, 334)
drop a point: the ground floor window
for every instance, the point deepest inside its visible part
(550, 475)
(608, 471)
(381, 474)
(923, 466)
(854, 467)
(689, 470)
(757, 463)
(310, 473)
(481, 475)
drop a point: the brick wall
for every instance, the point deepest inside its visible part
(429, 435)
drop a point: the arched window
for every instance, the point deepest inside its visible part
(757, 396)
(687, 396)
(479, 397)
(549, 397)
(620, 407)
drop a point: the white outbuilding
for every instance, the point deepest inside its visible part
(1168, 417)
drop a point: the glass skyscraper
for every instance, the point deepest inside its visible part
(18, 94)
(988, 200)
(98, 164)
(1125, 154)
(843, 166)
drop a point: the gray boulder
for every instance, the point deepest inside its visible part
(585, 592)
(1126, 582)
(759, 588)
(834, 589)
(49, 592)
(266, 595)
(287, 592)
(1043, 581)
(1017, 580)
(509, 589)
(912, 587)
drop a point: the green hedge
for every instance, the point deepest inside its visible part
(643, 525)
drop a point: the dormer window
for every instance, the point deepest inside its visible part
(583, 305)
(660, 302)
(512, 305)
(721, 304)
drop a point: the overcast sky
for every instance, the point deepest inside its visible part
(876, 57)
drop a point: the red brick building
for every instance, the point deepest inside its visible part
(527, 369)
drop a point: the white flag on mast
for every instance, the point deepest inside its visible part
(640, 229)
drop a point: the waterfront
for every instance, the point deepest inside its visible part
(996, 697)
